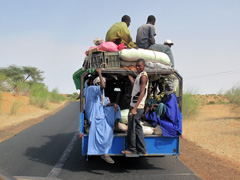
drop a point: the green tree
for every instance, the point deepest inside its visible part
(15, 74)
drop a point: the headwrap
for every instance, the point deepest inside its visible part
(97, 80)
(97, 41)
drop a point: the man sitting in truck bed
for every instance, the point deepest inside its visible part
(119, 33)
(101, 115)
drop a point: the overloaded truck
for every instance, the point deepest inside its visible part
(116, 66)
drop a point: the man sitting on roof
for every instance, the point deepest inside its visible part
(119, 33)
(145, 38)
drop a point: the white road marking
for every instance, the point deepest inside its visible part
(58, 167)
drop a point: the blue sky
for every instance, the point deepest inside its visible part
(53, 35)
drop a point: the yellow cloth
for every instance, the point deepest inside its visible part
(120, 31)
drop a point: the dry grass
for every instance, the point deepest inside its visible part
(24, 113)
(215, 128)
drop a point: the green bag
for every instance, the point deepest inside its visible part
(77, 76)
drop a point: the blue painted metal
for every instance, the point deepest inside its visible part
(81, 124)
(156, 145)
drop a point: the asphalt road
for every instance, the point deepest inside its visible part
(51, 149)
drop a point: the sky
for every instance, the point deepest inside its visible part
(53, 35)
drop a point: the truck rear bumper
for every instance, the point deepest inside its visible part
(156, 145)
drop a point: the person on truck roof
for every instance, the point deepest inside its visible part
(135, 136)
(168, 42)
(119, 33)
(145, 38)
(102, 116)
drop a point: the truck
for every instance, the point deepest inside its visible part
(117, 80)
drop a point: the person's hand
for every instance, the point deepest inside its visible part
(115, 107)
(133, 112)
(99, 70)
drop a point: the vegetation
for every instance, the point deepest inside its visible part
(72, 97)
(39, 95)
(22, 88)
(0, 101)
(233, 95)
(190, 105)
(10, 77)
(55, 97)
(15, 107)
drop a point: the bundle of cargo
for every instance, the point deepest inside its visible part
(154, 60)
(127, 57)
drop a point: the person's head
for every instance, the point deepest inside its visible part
(140, 65)
(126, 19)
(97, 41)
(151, 20)
(96, 81)
(168, 43)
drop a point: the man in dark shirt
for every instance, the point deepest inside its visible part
(145, 39)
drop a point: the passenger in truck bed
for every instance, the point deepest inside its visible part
(102, 116)
(119, 33)
(165, 112)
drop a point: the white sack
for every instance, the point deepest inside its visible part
(147, 55)
(122, 126)
(124, 115)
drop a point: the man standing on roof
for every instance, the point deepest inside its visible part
(145, 38)
(119, 33)
(135, 136)
(168, 42)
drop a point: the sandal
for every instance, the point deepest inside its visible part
(127, 152)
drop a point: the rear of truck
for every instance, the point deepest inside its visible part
(117, 83)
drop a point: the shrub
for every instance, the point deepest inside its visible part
(55, 97)
(190, 105)
(15, 107)
(39, 95)
(233, 95)
(73, 97)
(23, 87)
(211, 102)
(0, 102)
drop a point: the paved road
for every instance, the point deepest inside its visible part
(51, 149)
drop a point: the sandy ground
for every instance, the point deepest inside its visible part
(210, 144)
(26, 116)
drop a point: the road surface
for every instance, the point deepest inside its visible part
(52, 149)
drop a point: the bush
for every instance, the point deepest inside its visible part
(55, 97)
(39, 95)
(15, 107)
(23, 87)
(3, 83)
(190, 104)
(0, 102)
(211, 102)
(233, 95)
(73, 97)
